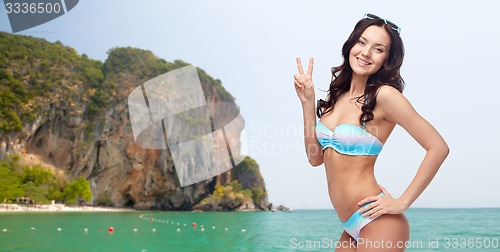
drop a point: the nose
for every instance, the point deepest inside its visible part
(366, 52)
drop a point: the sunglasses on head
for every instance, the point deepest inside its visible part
(387, 22)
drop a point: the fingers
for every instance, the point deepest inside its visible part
(372, 210)
(365, 208)
(296, 81)
(299, 65)
(367, 199)
(297, 84)
(310, 67)
(375, 212)
(302, 80)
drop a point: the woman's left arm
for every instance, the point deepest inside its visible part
(396, 108)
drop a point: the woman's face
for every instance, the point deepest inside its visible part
(371, 51)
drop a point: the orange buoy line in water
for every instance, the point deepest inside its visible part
(59, 229)
(194, 225)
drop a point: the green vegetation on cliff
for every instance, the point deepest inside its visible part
(232, 191)
(225, 198)
(248, 174)
(39, 184)
(36, 75)
(247, 185)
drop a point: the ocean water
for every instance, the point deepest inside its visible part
(300, 230)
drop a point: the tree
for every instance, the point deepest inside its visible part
(77, 190)
(36, 174)
(37, 193)
(10, 183)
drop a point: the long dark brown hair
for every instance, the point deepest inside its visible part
(389, 74)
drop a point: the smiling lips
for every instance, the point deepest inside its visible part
(362, 62)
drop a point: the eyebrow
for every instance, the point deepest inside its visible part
(378, 44)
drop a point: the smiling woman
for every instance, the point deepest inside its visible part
(378, 45)
(363, 106)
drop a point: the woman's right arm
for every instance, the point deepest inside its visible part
(305, 90)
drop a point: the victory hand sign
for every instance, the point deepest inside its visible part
(303, 82)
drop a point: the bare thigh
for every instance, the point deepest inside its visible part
(346, 243)
(388, 232)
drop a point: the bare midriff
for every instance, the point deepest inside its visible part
(350, 179)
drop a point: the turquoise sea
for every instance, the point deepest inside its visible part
(300, 230)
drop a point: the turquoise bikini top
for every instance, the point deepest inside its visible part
(348, 139)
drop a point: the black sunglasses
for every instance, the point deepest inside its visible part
(387, 22)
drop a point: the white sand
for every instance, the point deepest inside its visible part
(58, 208)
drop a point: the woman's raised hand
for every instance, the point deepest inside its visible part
(303, 82)
(379, 205)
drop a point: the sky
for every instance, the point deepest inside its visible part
(451, 61)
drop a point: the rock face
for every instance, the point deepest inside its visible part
(77, 121)
(249, 194)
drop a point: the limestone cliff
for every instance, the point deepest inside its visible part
(71, 113)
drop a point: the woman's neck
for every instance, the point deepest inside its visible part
(358, 85)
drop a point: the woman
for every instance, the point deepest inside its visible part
(363, 105)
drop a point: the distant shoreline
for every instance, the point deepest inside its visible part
(59, 208)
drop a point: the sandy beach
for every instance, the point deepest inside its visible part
(58, 208)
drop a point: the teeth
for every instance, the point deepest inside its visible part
(363, 62)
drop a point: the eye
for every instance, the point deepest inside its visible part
(361, 42)
(379, 50)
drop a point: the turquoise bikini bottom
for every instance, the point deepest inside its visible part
(356, 222)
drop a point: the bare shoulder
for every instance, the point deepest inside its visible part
(385, 92)
(389, 96)
(393, 104)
